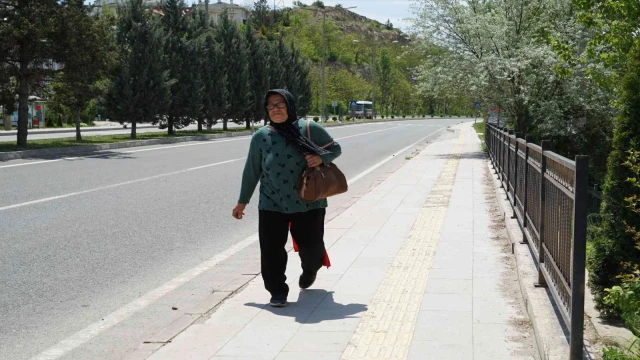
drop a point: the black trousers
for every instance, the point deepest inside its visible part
(307, 229)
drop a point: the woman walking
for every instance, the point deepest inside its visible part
(278, 154)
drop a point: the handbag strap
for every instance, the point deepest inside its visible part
(309, 130)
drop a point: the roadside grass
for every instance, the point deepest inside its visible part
(479, 126)
(106, 139)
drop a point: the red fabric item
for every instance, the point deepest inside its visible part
(325, 260)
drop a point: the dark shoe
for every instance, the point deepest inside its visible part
(306, 279)
(278, 301)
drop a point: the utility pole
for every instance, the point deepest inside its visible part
(324, 11)
(206, 12)
(324, 20)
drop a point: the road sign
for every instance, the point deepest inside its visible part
(477, 104)
(334, 103)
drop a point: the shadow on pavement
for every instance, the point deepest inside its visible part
(315, 306)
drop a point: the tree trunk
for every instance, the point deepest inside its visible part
(78, 134)
(170, 130)
(7, 122)
(248, 124)
(134, 123)
(209, 125)
(224, 124)
(200, 125)
(23, 108)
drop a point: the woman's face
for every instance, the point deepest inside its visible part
(278, 113)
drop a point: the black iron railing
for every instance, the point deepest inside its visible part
(549, 197)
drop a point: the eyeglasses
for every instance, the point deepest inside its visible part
(278, 105)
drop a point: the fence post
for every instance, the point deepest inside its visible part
(525, 201)
(543, 165)
(516, 158)
(501, 157)
(581, 188)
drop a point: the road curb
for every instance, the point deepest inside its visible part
(71, 131)
(84, 149)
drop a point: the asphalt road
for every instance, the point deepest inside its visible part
(82, 237)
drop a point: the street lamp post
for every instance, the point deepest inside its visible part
(324, 11)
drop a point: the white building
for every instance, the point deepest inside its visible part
(237, 13)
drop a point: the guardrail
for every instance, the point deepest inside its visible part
(549, 195)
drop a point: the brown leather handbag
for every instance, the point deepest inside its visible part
(322, 181)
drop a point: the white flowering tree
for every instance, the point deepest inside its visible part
(505, 54)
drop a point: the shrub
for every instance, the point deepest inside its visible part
(348, 117)
(625, 298)
(393, 116)
(369, 117)
(334, 118)
(616, 247)
(316, 119)
(404, 116)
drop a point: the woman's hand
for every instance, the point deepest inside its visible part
(313, 160)
(238, 211)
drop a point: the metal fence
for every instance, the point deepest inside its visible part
(549, 197)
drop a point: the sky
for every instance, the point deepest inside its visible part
(397, 11)
(381, 10)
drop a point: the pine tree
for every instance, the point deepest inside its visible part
(277, 70)
(617, 246)
(140, 89)
(214, 81)
(303, 87)
(197, 61)
(87, 45)
(238, 99)
(182, 67)
(259, 74)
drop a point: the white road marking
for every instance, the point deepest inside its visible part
(33, 202)
(366, 172)
(113, 185)
(93, 330)
(163, 148)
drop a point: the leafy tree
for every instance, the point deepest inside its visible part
(388, 25)
(30, 33)
(260, 12)
(318, 4)
(140, 86)
(7, 95)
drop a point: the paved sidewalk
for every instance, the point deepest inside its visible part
(420, 271)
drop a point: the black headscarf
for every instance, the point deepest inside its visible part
(289, 129)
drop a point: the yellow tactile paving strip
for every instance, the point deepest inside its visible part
(386, 329)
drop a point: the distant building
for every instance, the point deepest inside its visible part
(237, 13)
